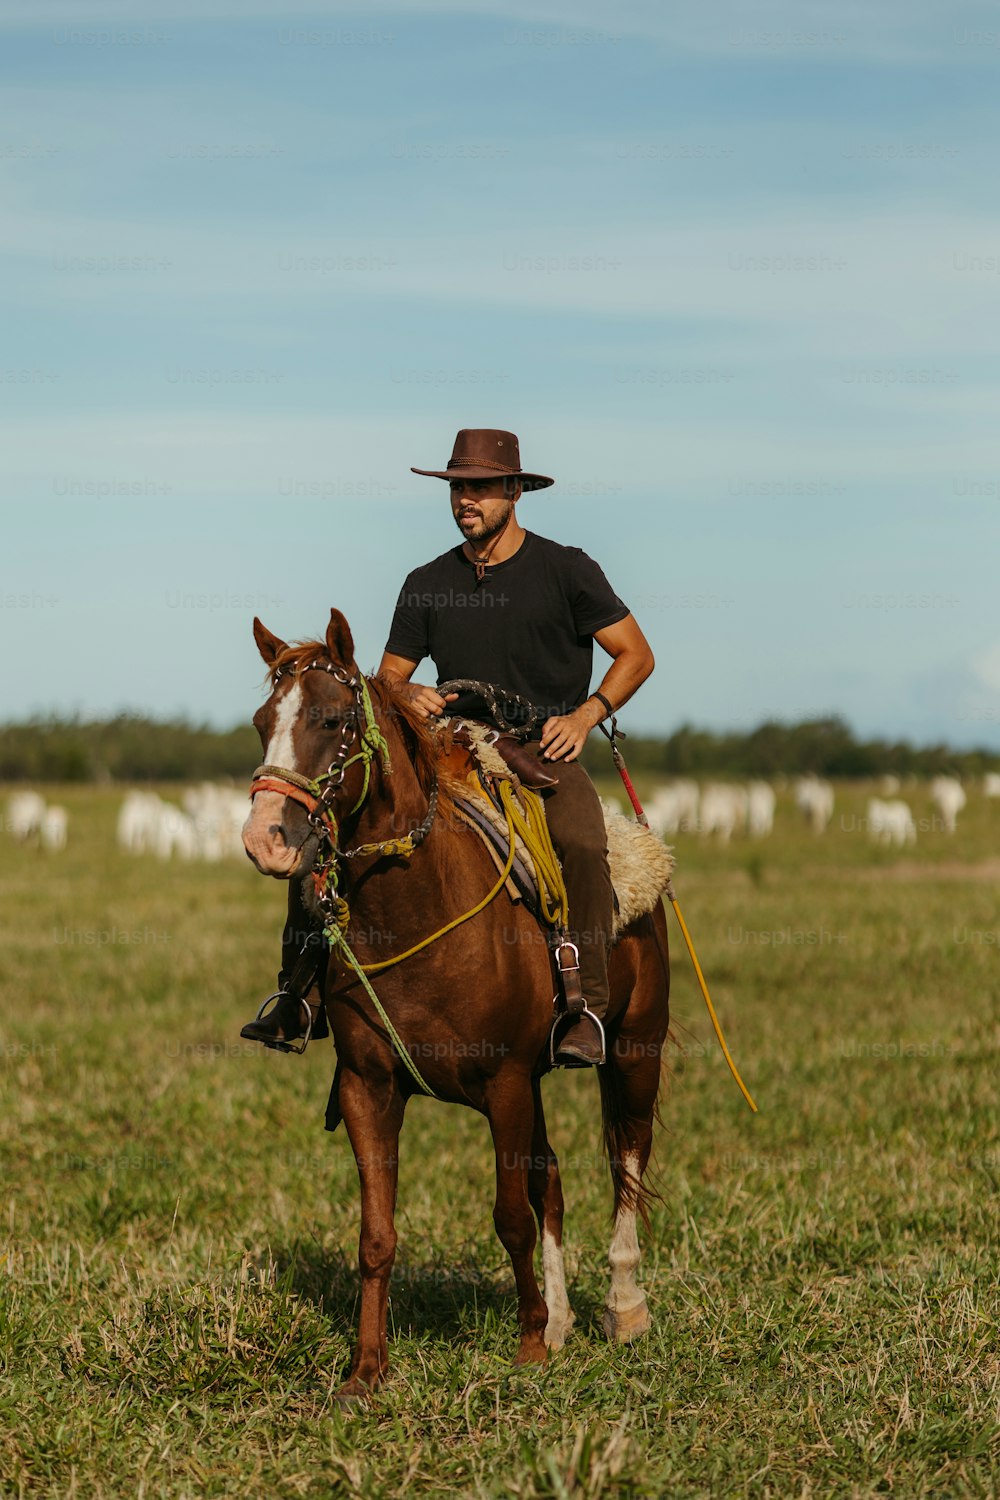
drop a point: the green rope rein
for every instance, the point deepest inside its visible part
(373, 742)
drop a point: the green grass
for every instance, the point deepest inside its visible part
(178, 1287)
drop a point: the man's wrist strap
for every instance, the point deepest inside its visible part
(601, 699)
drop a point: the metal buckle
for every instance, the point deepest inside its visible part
(569, 1016)
(567, 968)
(277, 1044)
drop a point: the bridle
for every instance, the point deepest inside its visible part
(318, 794)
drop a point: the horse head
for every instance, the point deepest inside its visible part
(305, 728)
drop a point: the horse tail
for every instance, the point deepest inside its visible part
(632, 1194)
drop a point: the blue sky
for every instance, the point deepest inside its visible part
(731, 272)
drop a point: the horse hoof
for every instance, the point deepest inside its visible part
(557, 1330)
(627, 1324)
(531, 1352)
(353, 1396)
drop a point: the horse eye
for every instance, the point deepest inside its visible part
(332, 723)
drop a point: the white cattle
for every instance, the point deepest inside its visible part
(888, 785)
(760, 809)
(175, 834)
(723, 810)
(674, 807)
(814, 799)
(138, 819)
(991, 784)
(208, 827)
(218, 814)
(948, 796)
(25, 812)
(891, 822)
(55, 822)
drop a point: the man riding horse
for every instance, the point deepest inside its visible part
(511, 608)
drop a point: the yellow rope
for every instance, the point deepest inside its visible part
(387, 963)
(538, 841)
(708, 999)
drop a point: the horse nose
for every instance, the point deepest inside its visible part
(276, 829)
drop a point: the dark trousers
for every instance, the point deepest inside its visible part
(576, 822)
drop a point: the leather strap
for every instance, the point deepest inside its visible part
(601, 699)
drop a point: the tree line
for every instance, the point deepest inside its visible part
(129, 748)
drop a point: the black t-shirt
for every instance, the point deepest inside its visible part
(528, 626)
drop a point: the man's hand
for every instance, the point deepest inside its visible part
(564, 735)
(426, 700)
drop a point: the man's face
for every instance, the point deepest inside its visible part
(481, 507)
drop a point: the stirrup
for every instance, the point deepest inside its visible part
(572, 1016)
(278, 1044)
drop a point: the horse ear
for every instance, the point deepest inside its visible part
(270, 646)
(339, 641)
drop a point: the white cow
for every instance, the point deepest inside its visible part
(175, 834)
(991, 784)
(723, 810)
(948, 796)
(25, 812)
(891, 822)
(138, 819)
(760, 809)
(55, 822)
(674, 807)
(218, 814)
(814, 799)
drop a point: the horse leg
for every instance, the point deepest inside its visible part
(510, 1110)
(373, 1116)
(629, 1085)
(632, 1097)
(545, 1192)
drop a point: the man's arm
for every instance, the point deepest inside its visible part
(426, 700)
(565, 735)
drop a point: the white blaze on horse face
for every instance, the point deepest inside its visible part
(280, 747)
(268, 850)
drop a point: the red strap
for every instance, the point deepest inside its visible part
(273, 784)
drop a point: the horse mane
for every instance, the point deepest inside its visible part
(421, 745)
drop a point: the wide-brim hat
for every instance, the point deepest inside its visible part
(487, 453)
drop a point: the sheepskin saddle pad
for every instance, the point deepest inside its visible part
(641, 865)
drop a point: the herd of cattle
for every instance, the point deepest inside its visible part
(209, 821)
(722, 809)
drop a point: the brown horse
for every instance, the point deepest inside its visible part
(474, 1008)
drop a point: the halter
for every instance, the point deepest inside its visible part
(317, 794)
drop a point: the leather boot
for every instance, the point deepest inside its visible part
(578, 1041)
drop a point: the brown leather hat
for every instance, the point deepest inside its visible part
(487, 453)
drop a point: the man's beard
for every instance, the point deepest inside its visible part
(482, 532)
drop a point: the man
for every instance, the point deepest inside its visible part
(512, 608)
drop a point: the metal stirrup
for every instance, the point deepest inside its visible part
(280, 1044)
(575, 1016)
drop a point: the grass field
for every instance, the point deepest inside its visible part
(177, 1269)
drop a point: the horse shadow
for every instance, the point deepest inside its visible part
(453, 1302)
